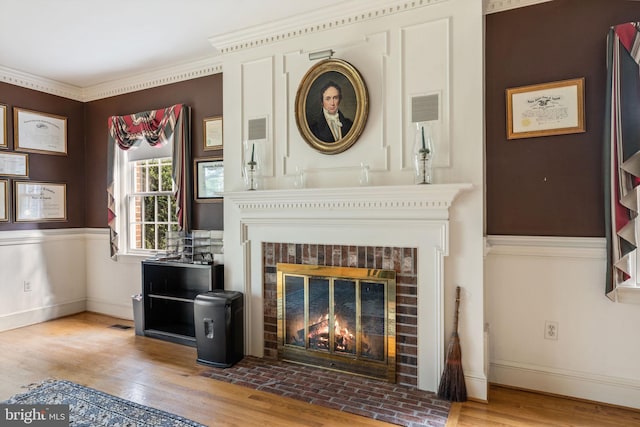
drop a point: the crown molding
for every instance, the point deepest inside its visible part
(494, 6)
(158, 77)
(319, 21)
(31, 81)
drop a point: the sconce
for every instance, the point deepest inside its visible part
(321, 54)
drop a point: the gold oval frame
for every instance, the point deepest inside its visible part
(312, 80)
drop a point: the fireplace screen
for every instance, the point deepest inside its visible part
(338, 318)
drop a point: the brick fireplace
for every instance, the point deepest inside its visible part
(404, 228)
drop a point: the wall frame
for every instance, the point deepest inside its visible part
(4, 200)
(212, 131)
(39, 132)
(208, 179)
(3, 126)
(353, 105)
(555, 108)
(40, 201)
(14, 164)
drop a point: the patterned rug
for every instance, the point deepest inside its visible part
(92, 408)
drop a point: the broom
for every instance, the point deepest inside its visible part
(452, 386)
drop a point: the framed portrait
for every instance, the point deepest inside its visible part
(4, 200)
(212, 133)
(40, 201)
(332, 105)
(555, 108)
(3, 126)
(14, 164)
(39, 132)
(208, 179)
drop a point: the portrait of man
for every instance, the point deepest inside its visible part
(331, 125)
(331, 106)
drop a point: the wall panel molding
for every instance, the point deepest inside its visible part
(494, 6)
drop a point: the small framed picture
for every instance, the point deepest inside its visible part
(4, 200)
(3, 126)
(208, 179)
(555, 108)
(212, 133)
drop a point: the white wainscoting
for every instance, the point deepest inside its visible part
(530, 280)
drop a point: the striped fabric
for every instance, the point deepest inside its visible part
(622, 158)
(155, 127)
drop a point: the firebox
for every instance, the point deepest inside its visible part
(338, 318)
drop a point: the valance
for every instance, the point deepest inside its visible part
(155, 127)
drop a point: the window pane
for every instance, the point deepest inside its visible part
(135, 236)
(153, 178)
(163, 208)
(166, 181)
(139, 177)
(149, 208)
(162, 236)
(172, 210)
(149, 236)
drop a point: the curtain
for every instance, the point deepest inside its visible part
(621, 158)
(155, 127)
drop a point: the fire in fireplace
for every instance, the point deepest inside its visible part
(339, 318)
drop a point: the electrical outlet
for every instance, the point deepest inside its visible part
(27, 286)
(550, 330)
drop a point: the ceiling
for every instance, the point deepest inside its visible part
(88, 42)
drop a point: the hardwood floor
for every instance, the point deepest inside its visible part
(84, 348)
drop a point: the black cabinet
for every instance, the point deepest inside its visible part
(169, 290)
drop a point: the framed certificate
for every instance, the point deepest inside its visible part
(555, 108)
(3, 126)
(40, 201)
(39, 132)
(212, 133)
(4, 200)
(14, 164)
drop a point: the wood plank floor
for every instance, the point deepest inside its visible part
(84, 349)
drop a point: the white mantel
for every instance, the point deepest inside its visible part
(403, 216)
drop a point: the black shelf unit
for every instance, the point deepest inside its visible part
(169, 290)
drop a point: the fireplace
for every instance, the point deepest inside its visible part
(406, 227)
(338, 318)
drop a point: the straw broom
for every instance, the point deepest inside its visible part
(452, 386)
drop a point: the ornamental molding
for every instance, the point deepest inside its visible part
(494, 6)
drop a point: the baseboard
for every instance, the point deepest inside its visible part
(606, 389)
(121, 311)
(41, 314)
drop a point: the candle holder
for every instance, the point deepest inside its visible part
(423, 155)
(252, 167)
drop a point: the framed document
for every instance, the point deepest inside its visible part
(212, 133)
(4, 200)
(208, 179)
(555, 108)
(14, 164)
(39, 132)
(3, 126)
(40, 201)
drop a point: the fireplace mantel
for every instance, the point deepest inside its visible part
(403, 216)
(394, 201)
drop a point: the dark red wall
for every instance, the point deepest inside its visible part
(203, 95)
(69, 169)
(548, 185)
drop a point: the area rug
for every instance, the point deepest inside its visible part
(91, 408)
(380, 400)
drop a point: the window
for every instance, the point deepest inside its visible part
(146, 208)
(151, 204)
